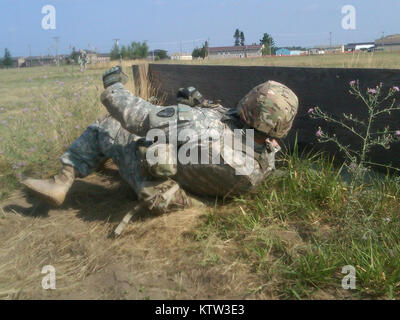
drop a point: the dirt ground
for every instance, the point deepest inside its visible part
(157, 257)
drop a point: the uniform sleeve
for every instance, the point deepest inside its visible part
(131, 111)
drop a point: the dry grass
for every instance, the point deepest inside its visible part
(389, 60)
(276, 244)
(157, 257)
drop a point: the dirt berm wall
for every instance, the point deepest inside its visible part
(327, 88)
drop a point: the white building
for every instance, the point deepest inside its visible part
(181, 56)
(235, 52)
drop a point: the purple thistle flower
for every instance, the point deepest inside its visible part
(352, 82)
(372, 91)
(319, 133)
(397, 133)
(397, 89)
(45, 77)
(4, 121)
(311, 110)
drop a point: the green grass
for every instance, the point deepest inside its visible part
(298, 231)
(42, 110)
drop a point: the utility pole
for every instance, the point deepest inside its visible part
(383, 40)
(57, 39)
(117, 43)
(208, 47)
(30, 55)
(330, 40)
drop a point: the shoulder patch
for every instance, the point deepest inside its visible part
(166, 113)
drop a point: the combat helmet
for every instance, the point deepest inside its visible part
(270, 108)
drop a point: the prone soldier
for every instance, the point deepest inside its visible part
(135, 131)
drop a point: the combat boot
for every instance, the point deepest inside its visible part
(53, 190)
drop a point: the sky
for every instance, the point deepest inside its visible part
(176, 25)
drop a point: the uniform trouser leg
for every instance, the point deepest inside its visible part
(107, 139)
(85, 153)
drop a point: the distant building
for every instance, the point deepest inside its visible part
(316, 51)
(389, 43)
(235, 52)
(154, 54)
(282, 52)
(288, 52)
(37, 61)
(93, 57)
(103, 57)
(359, 46)
(181, 56)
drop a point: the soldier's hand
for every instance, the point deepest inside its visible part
(189, 96)
(114, 75)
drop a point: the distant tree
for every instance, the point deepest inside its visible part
(162, 54)
(236, 36)
(74, 55)
(7, 60)
(124, 52)
(196, 53)
(114, 54)
(201, 52)
(205, 49)
(269, 44)
(241, 38)
(297, 48)
(139, 50)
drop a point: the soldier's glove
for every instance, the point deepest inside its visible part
(190, 96)
(114, 75)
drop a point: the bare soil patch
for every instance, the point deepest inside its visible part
(157, 257)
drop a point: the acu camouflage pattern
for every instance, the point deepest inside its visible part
(270, 108)
(120, 136)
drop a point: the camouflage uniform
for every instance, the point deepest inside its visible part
(120, 137)
(82, 60)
